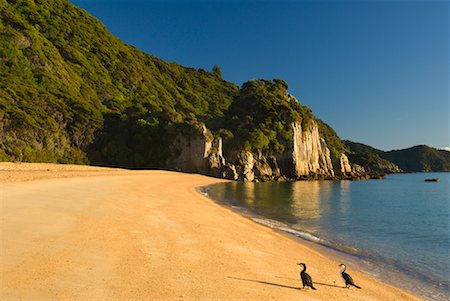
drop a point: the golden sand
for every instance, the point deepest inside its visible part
(85, 233)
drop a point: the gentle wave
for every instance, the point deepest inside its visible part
(283, 227)
(368, 263)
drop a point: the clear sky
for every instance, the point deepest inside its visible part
(376, 71)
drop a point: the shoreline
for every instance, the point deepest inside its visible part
(161, 239)
(358, 262)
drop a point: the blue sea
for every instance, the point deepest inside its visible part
(396, 228)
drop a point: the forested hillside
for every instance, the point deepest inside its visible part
(63, 76)
(71, 92)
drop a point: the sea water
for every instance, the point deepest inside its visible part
(396, 229)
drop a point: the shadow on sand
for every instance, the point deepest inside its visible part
(282, 285)
(326, 284)
(318, 283)
(265, 282)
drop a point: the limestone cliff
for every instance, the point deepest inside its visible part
(344, 164)
(193, 152)
(143, 112)
(347, 170)
(246, 165)
(310, 155)
(307, 157)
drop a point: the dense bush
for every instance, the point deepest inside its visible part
(261, 116)
(71, 92)
(419, 158)
(62, 73)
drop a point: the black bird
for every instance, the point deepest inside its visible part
(347, 278)
(306, 279)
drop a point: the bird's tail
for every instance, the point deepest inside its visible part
(356, 286)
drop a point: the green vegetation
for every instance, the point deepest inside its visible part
(63, 76)
(71, 92)
(261, 117)
(362, 149)
(414, 159)
(420, 158)
(369, 158)
(334, 143)
(217, 71)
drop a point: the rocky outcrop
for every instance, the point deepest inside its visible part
(344, 165)
(229, 172)
(351, 171)
(266, 168)
(371, 159)
(245, 165)
(308, 157)
(311, 155)
(360, 173)
(198, 152)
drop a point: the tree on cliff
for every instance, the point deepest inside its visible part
(217, 71)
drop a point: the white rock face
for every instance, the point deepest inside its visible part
(310, 152)
(214, 154)
(307, 157)
(194, 151)
(345, 165)
(246, 165)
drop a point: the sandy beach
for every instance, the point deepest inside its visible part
(88, 233)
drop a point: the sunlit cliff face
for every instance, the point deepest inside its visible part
(311, 154)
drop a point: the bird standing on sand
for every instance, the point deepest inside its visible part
(347, 278)
(306, 279)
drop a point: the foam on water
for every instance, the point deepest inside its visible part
(283, 227)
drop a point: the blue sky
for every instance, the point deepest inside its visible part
(376, 71)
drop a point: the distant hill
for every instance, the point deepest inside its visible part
(420, 158)
(370, 158)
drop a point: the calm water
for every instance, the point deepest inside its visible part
(398, 226)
